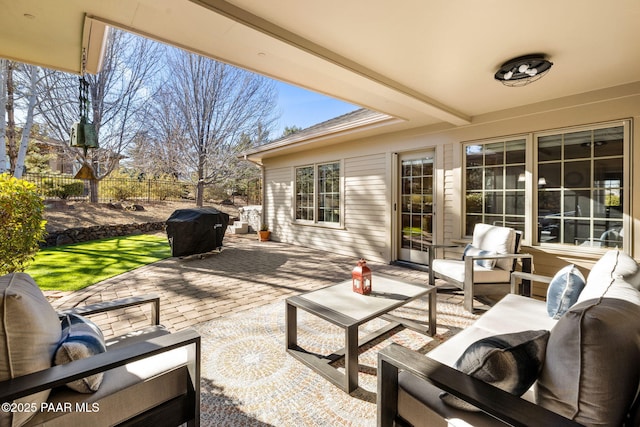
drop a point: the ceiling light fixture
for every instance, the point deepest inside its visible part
(523, 70)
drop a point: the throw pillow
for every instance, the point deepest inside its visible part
(564, 290)
(81, 338)
(510, 362)
(29, 334)
(473, 251)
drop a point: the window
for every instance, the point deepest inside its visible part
(318, 193)
(495, 184)
(575, 181)
(580, 187)
(304, 193)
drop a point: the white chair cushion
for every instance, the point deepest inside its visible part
(501, 240)
(454, 268)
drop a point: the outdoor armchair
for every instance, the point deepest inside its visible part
(486, 266)
(150, 376)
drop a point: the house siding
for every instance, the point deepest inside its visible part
(367, 211)
(365, 226)
(277, 201)
(369, 221)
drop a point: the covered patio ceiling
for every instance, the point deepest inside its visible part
(425, 62)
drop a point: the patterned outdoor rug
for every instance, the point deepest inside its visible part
(248, 379)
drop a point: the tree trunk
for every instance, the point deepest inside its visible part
(200, 193)
(11, 122)
(4, 159)
(93, 190)
(26, 130)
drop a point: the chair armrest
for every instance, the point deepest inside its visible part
(442, 245)
(491, 400)
(527, 276)
(102, 307)
(61, 374)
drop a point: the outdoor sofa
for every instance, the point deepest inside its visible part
(586, 371)
(146, 377)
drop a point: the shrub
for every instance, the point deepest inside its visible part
(64, 191)
(21, 223)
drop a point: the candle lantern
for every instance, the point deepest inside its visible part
(361, 276)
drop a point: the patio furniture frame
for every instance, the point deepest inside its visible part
(510, 409)
(180, 410)
(348, 381)
(468, 286)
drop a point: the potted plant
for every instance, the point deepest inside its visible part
(264, 233)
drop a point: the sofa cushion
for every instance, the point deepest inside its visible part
(471, 250)
(591, 373)
(81, 338)
(522, 312)
(501, 240)
(510, 362)
(454, 268)
(29, 335)
(125, 391)
(615, 275)
(564, 290)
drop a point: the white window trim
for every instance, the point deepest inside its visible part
(315, 222)
(531, 176)
(527, 189)
(626, 183)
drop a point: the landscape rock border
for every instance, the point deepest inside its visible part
(97, 232)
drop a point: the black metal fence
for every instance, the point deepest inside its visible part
(140, 190)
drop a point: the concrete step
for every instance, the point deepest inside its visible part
(239, 227)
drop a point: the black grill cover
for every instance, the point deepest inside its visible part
(196, 231)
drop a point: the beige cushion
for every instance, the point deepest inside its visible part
(501, 240)
(29, 334)
(454, 268)
(125, 391)
(615, 275)
(591, 372)
(522, 312)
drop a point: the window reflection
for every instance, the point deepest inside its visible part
(580, 187)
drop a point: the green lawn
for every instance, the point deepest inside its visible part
(76, 266)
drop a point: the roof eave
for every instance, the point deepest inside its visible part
(302, 140)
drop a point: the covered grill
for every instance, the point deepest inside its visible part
(196, 231)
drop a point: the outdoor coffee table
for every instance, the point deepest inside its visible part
(341, 306)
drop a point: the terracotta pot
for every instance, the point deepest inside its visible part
(264, 235)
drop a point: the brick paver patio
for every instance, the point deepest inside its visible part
(245, 274)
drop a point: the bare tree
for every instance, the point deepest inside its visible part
(4, 159)
(18, 84)
(216, 111)
(119, 101)
(31, 96)
(157, 152)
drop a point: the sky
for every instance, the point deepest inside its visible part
(303, 108)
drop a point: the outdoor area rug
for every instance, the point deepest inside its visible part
(248, 379)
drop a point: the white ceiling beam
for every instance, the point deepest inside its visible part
(428, 106)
